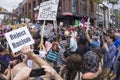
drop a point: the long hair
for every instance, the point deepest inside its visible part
(98, 52)
(73, 67)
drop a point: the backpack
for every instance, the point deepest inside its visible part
(52, 56)
(90, 62)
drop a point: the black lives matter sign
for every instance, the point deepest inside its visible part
(17, 38)
(48, 10)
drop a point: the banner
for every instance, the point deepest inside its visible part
(48, 10)
(19, 37)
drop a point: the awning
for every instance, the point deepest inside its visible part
(67, 14)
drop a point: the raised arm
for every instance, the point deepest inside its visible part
(7, 76)
(88, 37)
(90, 75)
(27, 51)
(48, 69)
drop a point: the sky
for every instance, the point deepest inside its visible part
(12, 4)
(9, 4)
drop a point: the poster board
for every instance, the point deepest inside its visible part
(48, 10)
(18, 38)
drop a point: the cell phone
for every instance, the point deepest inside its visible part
(36, 51)
(37, 72)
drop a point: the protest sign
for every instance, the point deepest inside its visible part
(48, 10)
(48, 45)
(19, 37)
(88, 24)
(47, 30)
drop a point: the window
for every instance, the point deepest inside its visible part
(60, 6)
(34, 4)
(39, 1)
(75, 6)
(83, 8)
(91, 8)
(29, 6)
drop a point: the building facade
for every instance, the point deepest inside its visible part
(68, 10)
(103, 14)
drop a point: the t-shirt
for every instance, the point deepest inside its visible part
(4, 65)
(90, 62)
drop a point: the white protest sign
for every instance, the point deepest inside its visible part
(19, 37)
(88, 24)
(48, 10)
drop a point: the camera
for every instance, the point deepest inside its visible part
(37, 72)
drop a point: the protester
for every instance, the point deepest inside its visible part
(93, 41)
(108, 54)
(22, 68)
(73, 69)
(4, 64)
(117, 55)
(73, 44)
(75, 53)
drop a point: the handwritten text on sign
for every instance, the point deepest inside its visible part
(48, 10)
(18, 38)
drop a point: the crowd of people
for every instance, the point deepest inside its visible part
(72, 53)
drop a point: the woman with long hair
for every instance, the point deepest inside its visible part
(71, 71)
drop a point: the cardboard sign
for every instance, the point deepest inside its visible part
(19, 37)
(48, 10)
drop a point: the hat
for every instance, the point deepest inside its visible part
(2, 48)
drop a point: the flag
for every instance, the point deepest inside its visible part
(82, 21)
(76, 23)
(80, 24)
